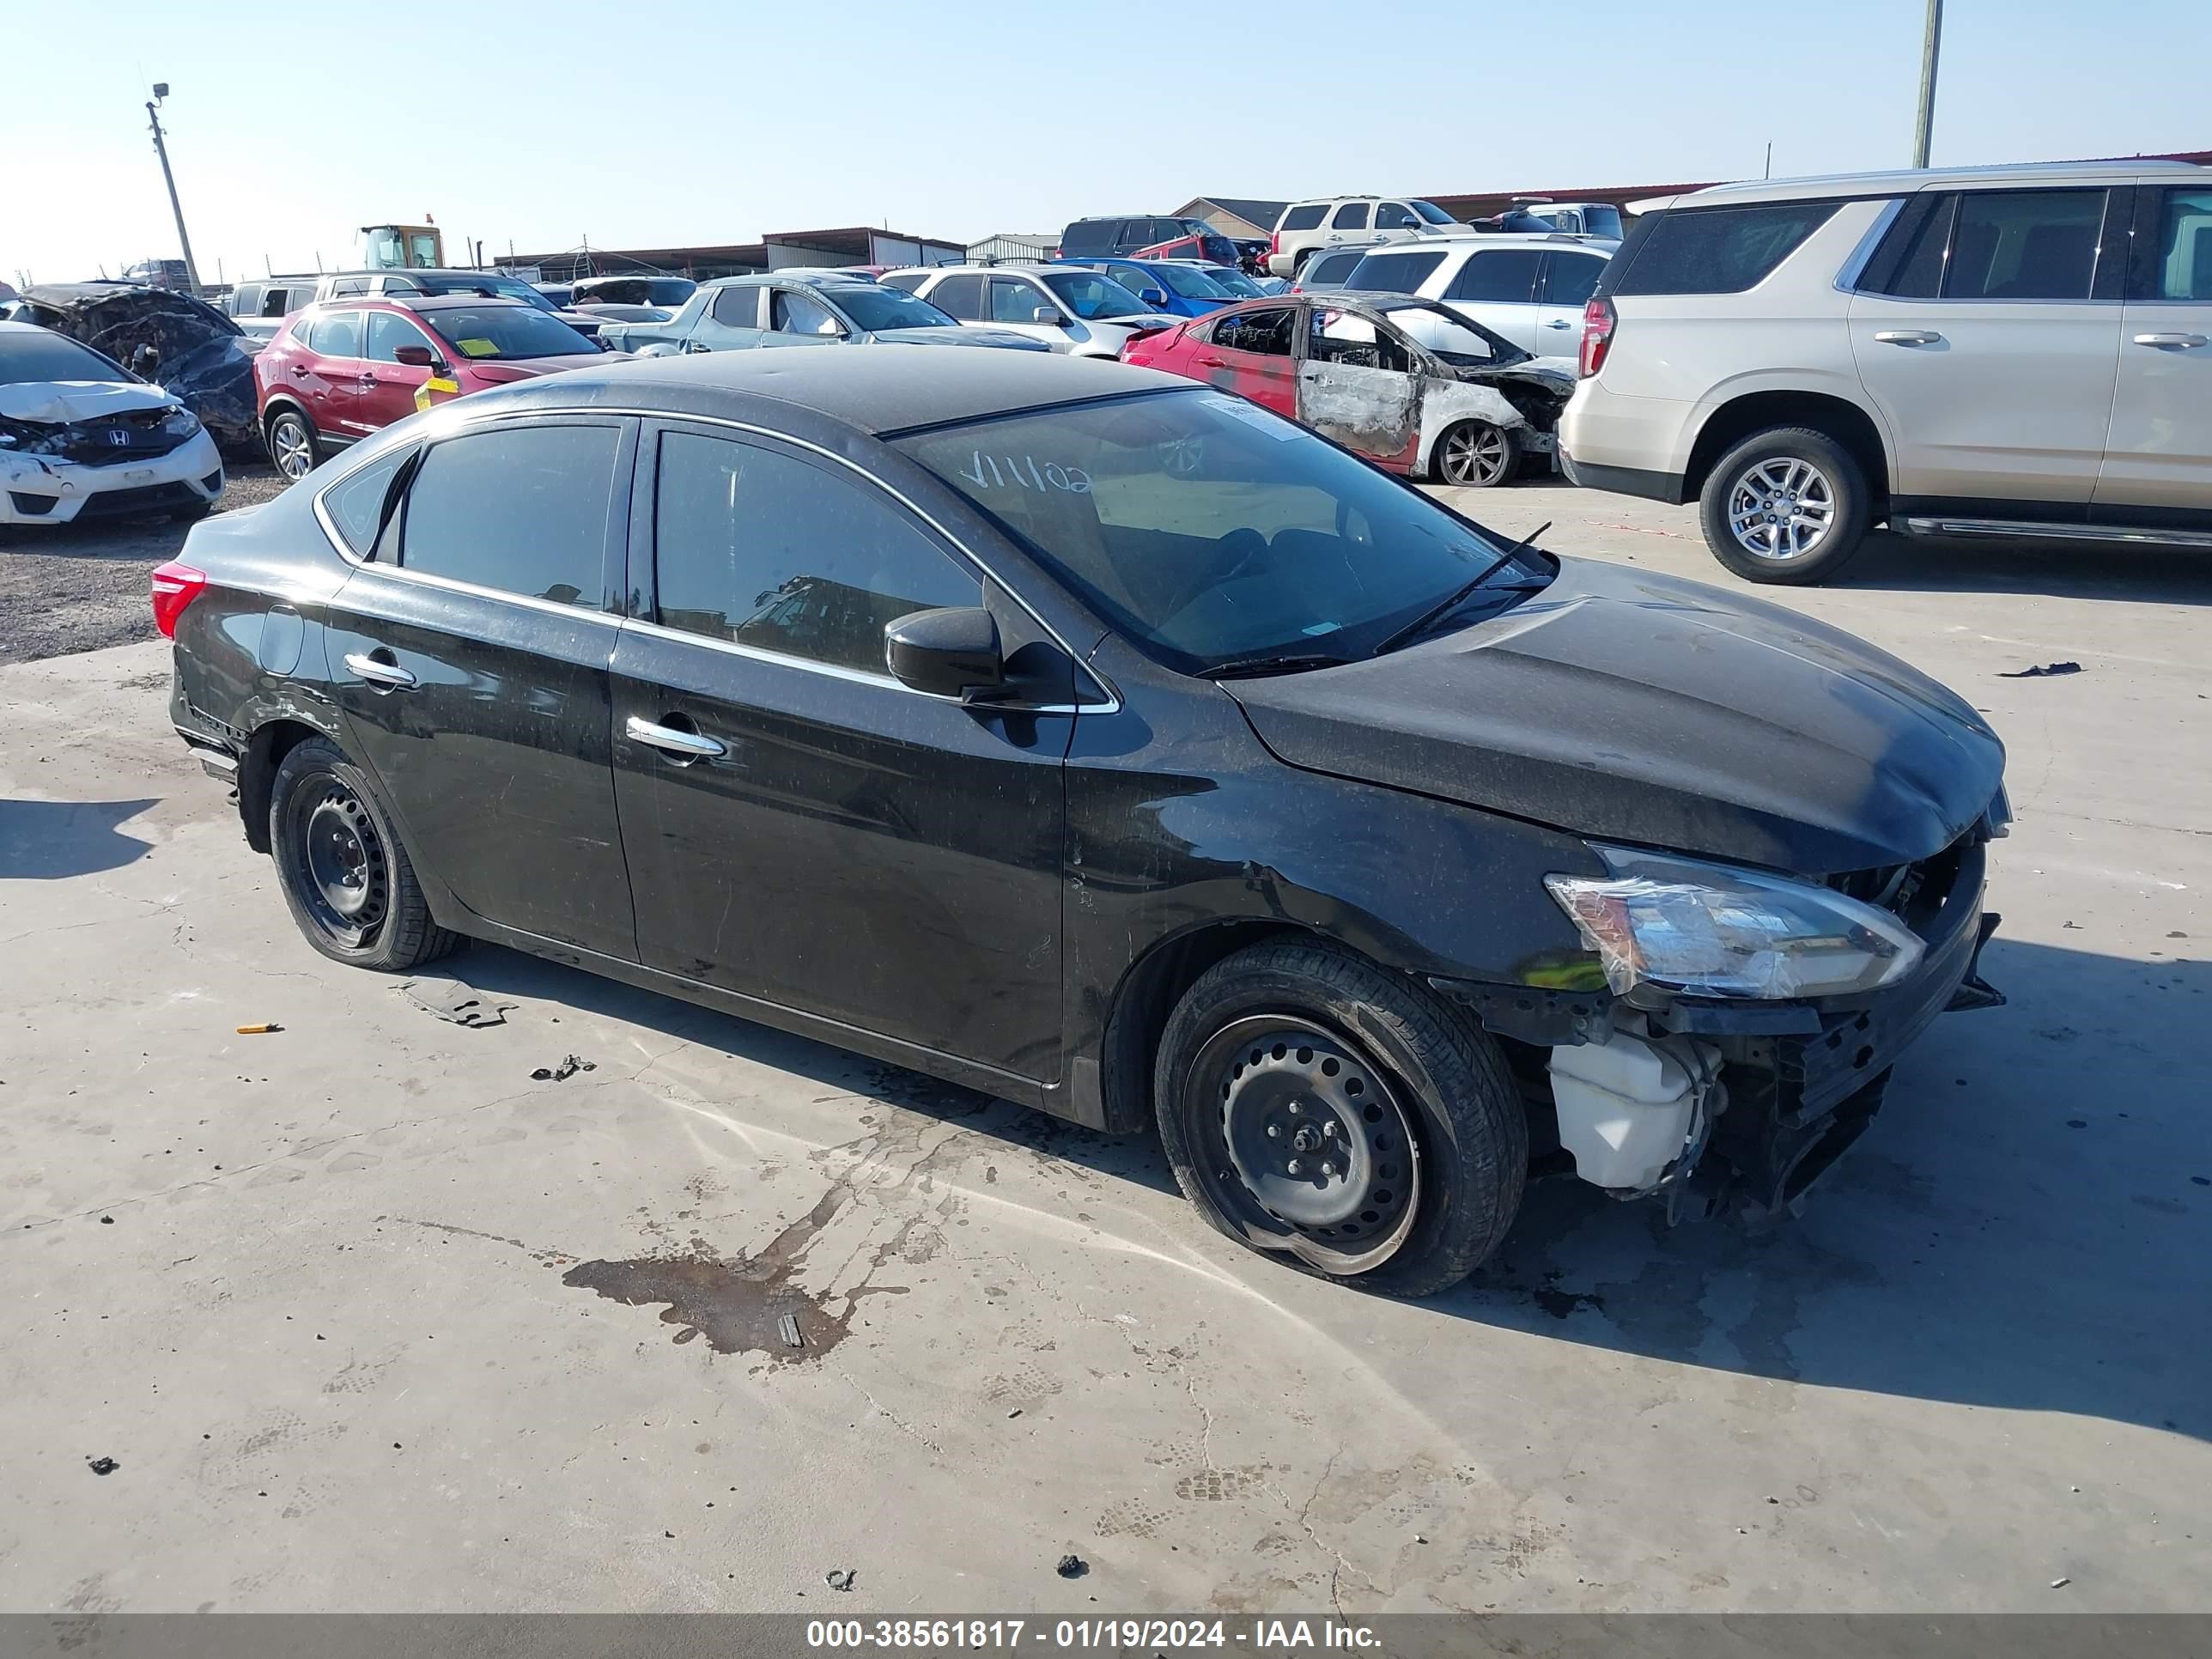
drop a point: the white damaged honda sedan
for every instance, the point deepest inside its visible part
(82, 437)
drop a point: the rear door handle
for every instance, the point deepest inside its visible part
(299, 371)
(683, 745)
(2183, 340)
(389, 675)
(1559, 322)
(1204, 361)
(1908, 336)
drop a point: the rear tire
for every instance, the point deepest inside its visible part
(345, 875)
(296, 448)
(1477, 455)
(1787, 506)
(1339, 1118)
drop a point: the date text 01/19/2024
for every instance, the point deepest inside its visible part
(954, 1635)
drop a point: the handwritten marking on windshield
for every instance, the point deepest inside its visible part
(1024, 474)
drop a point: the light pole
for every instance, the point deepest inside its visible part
(1930, 45)
(153, 114)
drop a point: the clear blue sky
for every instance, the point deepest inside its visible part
(677, 123)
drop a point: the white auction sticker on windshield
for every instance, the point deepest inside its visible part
(1274, 426)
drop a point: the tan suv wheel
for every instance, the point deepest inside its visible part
(1788, 506)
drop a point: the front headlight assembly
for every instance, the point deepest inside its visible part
(1686, 927)
(180, 422)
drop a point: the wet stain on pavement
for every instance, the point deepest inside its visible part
(739, 1304)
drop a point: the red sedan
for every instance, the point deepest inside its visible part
(1413, 387)
(343, 369)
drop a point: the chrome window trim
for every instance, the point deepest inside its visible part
(455, 426)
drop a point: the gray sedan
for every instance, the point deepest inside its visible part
(802, 308)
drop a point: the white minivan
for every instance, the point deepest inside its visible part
(1531, 289)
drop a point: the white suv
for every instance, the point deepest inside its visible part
(1306, 227)
(1995, 351)
(1531, 289)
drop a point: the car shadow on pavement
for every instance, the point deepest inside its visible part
(2028, 1226)
(52, 840)
(2072, 570)
(497, 970)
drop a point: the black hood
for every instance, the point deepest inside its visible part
(1637, 708)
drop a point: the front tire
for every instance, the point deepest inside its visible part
(345, 875)
(296, 449)
(1319, 1109)
(1476, 455)
(1788, 506)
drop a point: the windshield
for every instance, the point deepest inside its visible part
(32, 359)
(1452, 337)
(485, 283)
(1089, 295)
(872, 309)
(1189, 281)
(1433, 213)
(1234, 283)
(1207, 530)
(505, 333)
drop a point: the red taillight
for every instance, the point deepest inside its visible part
(1597, 335)
(1274, 244)
(175, 587)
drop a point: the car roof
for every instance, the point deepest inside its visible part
(812, 277)
(416, 302)
(889, 389)
(1906, 182)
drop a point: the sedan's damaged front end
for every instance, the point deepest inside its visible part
(72, 451)
(1739, 1027)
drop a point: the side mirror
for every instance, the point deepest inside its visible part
(415, 356)
(1045, 314)
(949, 652)
(1154, 296)
(145, 361)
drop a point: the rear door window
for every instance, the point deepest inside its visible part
(522, 510)
(337, 335)
(960, 296)
(2024, 244)
(760, 548)
(1268, 333)
(1394, 273)
(1718, 249)
(738, 308)
(1500, 275)
(2183, 255)
(1353, 215)
(1569, 279)
(1305, 217)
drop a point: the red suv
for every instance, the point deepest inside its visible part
(345, 368)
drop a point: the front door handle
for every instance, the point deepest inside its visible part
(1908, 336)
(683, 745)
(2185, 342)
(389, 675)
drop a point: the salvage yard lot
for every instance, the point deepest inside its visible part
(370, 1317)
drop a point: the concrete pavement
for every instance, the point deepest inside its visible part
(370, 1319)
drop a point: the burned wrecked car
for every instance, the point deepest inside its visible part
(1408, 383)
(170, 338)
(82, 438)
(1108, 744)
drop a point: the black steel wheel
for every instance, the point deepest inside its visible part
(1318, 1109)
(345, 874)
(1477, 456)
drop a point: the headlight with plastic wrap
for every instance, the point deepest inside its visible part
(1684, 927)
(180, 422)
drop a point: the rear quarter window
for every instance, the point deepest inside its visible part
(1305, 217)
(1723, 250)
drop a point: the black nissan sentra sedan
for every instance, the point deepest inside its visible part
(1105, 742)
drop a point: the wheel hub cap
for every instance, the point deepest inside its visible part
(1315, 1137)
